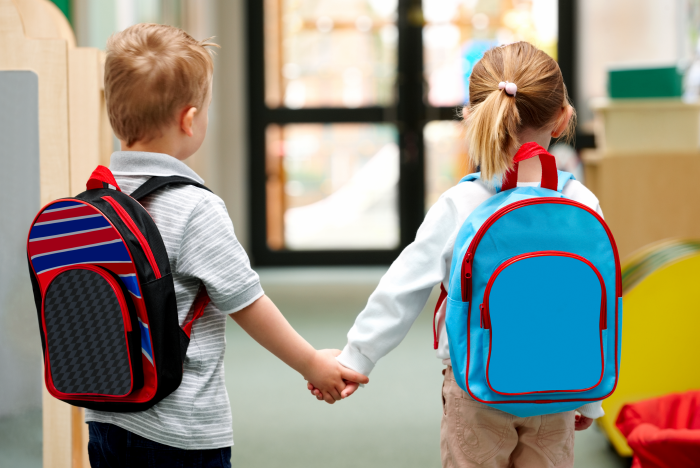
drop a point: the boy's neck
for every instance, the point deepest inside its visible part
(163, 144)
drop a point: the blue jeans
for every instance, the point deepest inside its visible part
(111, 446)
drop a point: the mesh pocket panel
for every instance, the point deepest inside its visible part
(85, 332)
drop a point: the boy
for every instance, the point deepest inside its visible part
(158, 86)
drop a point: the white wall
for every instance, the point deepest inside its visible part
(20, 344)
(222, 160)
(610, 32)
(231, 96)
(623, 31)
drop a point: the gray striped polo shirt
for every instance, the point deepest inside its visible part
(202, 246)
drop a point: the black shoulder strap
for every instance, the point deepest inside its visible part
(156, 183)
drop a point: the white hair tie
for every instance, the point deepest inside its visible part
(510, 88)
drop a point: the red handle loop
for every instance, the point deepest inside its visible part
(100, 176)
(549, 167)
(200, 302)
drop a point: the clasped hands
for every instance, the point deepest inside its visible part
(329, 380)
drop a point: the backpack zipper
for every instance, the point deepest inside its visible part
(121, 212)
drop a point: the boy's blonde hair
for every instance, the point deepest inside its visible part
(495, 117)
(151, 72)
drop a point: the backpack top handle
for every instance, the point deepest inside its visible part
(549, 167)
(100, 178)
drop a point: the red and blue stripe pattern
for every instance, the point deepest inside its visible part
(74, 233)
(68, 233)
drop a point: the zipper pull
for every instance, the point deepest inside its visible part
(468, 265)
(485, 319)
(466, 276)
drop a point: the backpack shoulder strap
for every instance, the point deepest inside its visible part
(158, 182)
(201, 300)
(470, 177)
(562, 179)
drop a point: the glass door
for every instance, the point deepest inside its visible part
(354, 116)
(456, 33)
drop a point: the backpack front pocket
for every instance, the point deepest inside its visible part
(92, 335)
(546, 313)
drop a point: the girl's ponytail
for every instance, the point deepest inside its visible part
(497, 113)
(492, 127)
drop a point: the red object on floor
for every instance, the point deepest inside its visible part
(663, 432)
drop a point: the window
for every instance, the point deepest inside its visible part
(354, 115)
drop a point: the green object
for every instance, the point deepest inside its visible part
(64, 6)
(631, 83)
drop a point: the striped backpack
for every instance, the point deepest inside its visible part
(105, 298)
(534, 306)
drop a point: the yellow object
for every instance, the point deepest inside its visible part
(661, 319)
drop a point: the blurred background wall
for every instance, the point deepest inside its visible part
(636, 32)
(643, 32)
(334, 128)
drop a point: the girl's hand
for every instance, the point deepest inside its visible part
(582, 422)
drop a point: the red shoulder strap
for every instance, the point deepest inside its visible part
(100, 176)
(200, 302)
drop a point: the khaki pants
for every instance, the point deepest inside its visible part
(475, 435)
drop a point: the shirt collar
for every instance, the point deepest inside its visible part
(135, 163)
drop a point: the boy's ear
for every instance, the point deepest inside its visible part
(563, 121)
(187, 120)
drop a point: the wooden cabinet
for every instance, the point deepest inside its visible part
(73, 137)
(649, 192)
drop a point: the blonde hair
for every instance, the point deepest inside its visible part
(495, 117)
(151, 72)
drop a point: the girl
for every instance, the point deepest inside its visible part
(532, 107)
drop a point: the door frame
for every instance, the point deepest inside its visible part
(409, 114)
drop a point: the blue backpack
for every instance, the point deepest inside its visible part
(534, 308)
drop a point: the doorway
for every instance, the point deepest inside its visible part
(355, 115)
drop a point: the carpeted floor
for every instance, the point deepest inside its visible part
(392, 422)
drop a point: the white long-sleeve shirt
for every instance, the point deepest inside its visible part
(404, 290)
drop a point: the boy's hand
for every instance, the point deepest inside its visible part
(350, 388)
(329, 379)
(582, 422)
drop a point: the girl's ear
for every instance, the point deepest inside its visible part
(563, 121)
